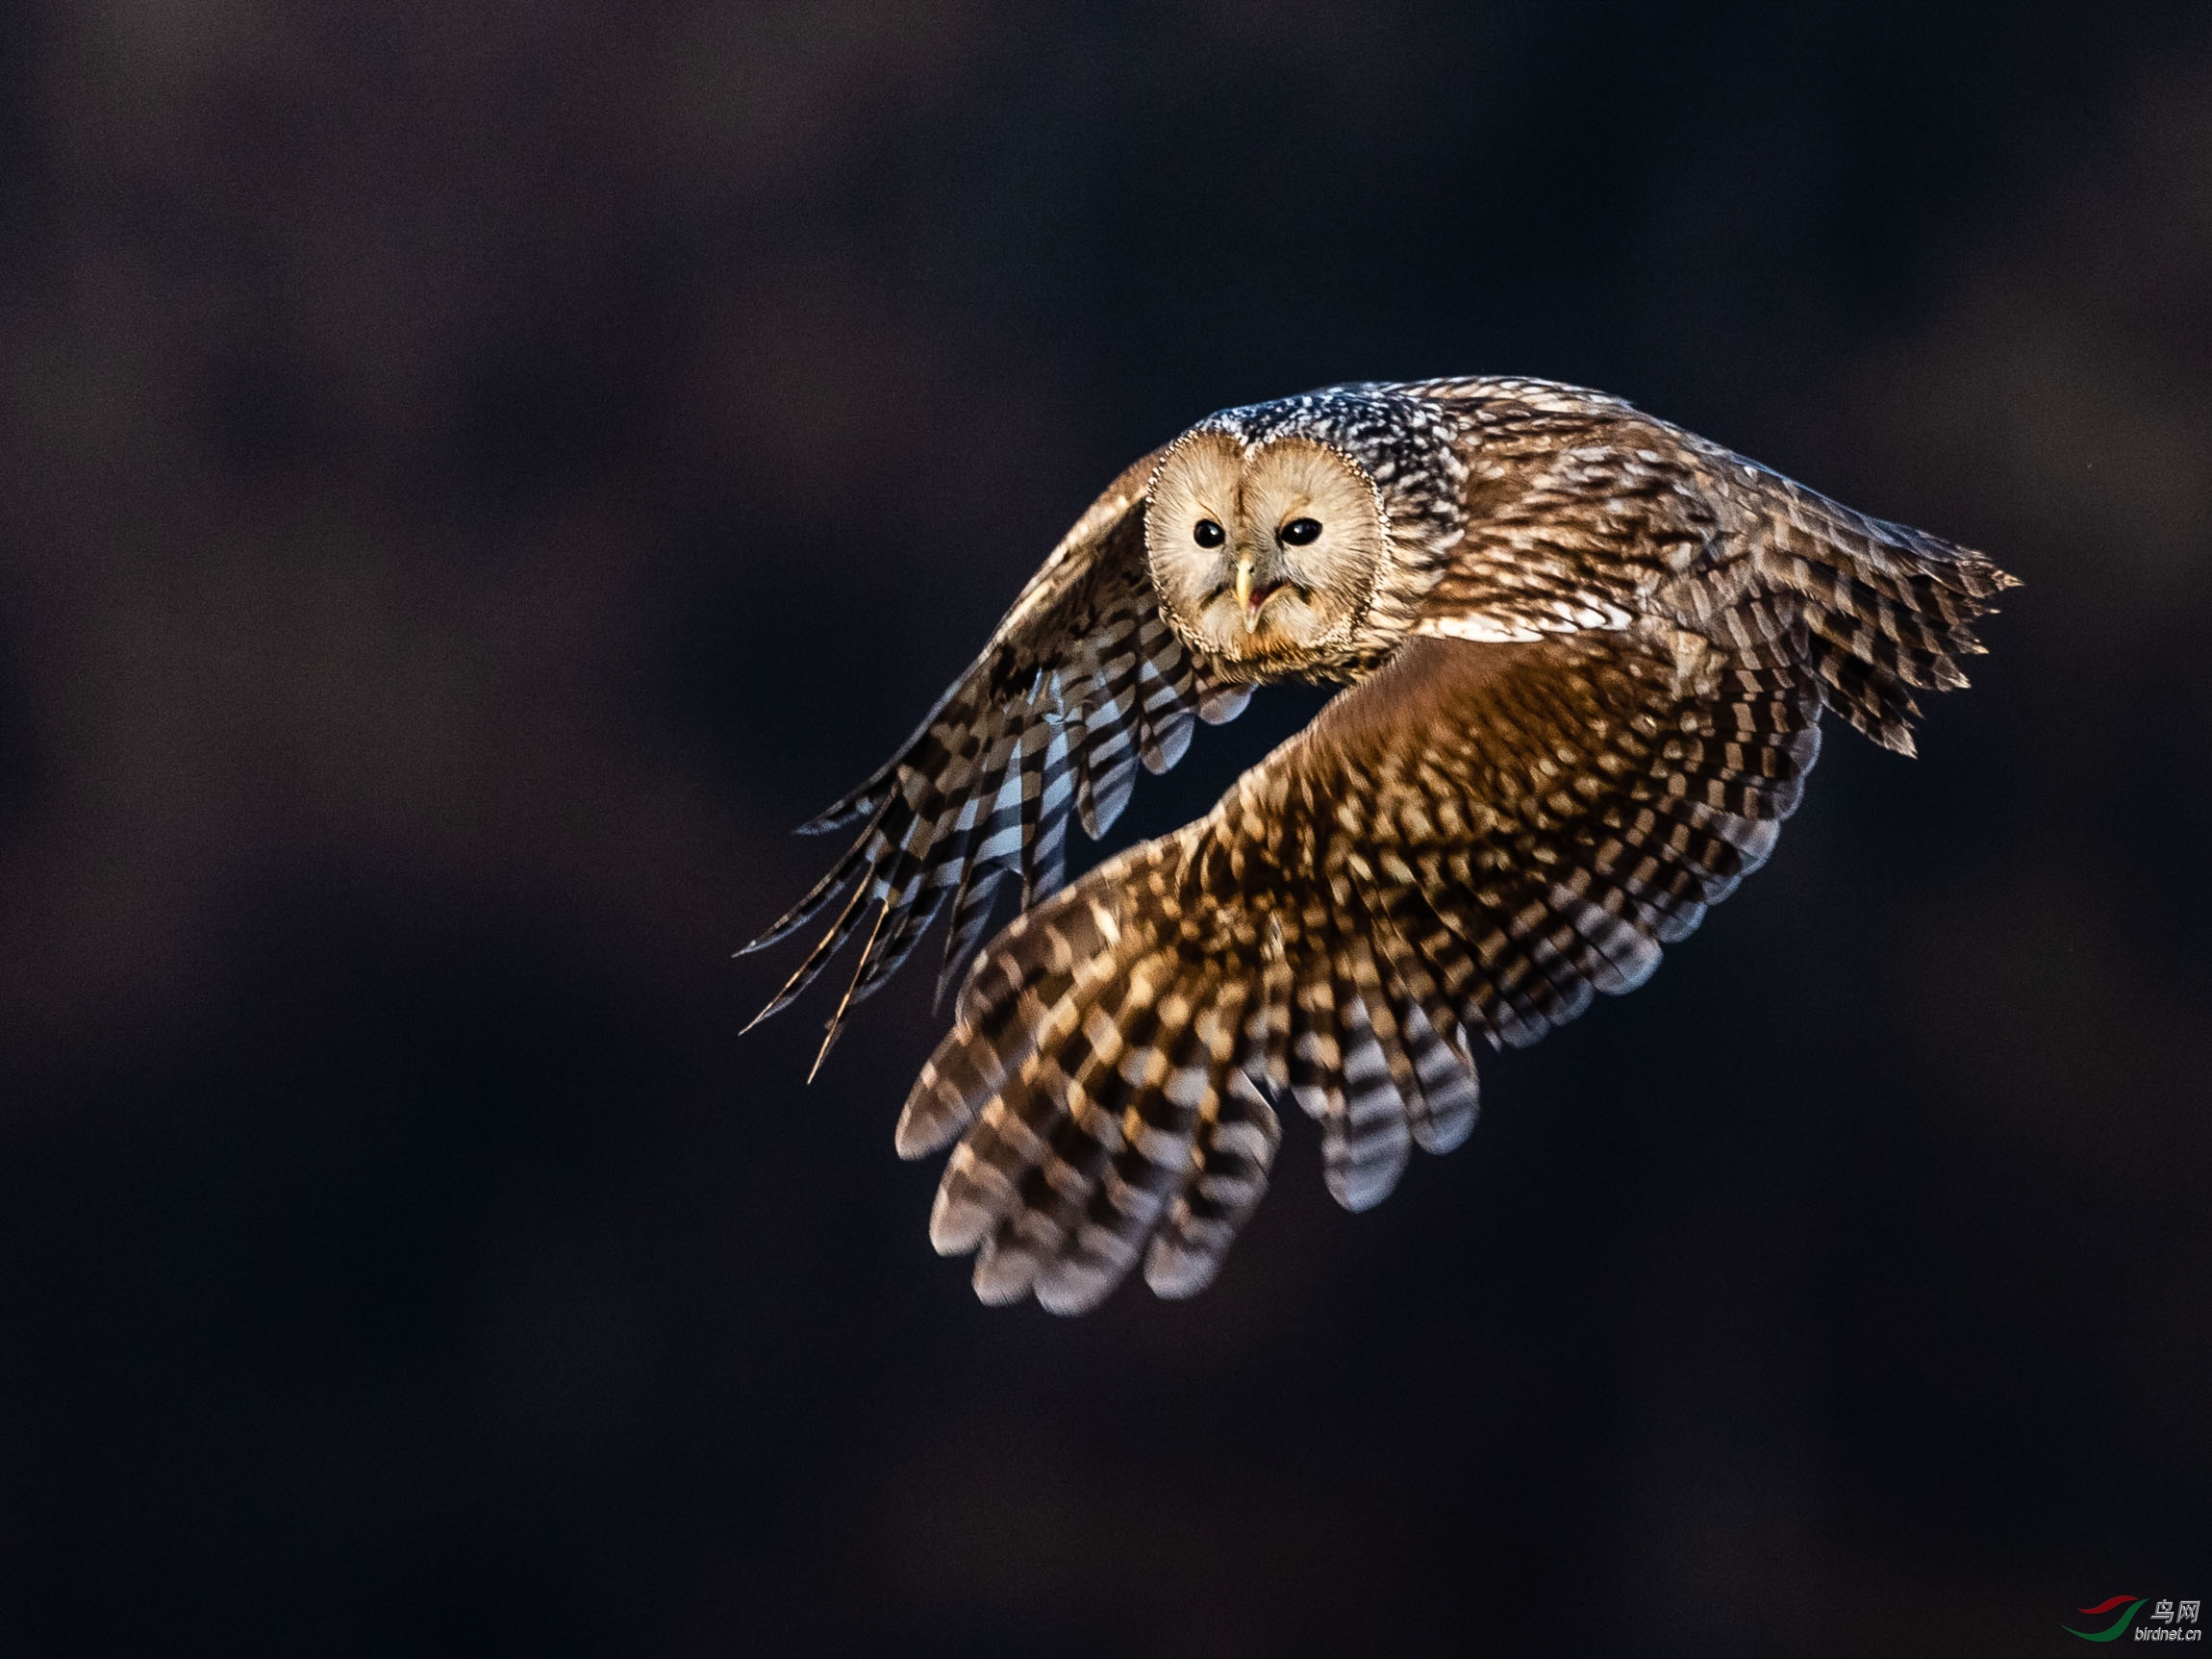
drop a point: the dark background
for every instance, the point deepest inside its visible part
(473, 475)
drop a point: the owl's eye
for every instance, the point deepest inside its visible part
(1208, 534)
(1301, 531)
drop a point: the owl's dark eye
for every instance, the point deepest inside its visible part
(1207, 534)
(1301, 531)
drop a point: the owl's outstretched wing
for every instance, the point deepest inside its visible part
(1080, 682)
(1464, 846)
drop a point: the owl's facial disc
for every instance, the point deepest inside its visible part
(1263, 558)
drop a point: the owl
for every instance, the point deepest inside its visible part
(1585, 654)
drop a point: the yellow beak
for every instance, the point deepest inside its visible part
(1244, 595)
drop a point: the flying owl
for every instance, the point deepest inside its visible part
(1586, 653)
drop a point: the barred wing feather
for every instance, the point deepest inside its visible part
(1080, 683)
(1462, 849)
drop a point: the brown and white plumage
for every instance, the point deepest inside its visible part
(1082, 680)
(1588, 654)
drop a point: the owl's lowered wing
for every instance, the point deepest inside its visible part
(1467, 845)
(1080, 682)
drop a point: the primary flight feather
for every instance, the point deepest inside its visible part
(1587, 655)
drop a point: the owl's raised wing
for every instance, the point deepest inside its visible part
(1469, 845)
(1080, 682)
(1584, 514)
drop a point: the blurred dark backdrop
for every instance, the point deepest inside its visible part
(472, 475)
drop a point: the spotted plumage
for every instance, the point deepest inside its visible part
(1587, 655)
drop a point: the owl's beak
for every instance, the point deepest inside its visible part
(1244, 594)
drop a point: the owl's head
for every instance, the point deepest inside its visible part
(1265, 555)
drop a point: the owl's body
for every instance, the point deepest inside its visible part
(1587, 653)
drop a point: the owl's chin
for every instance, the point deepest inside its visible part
(1288, 630)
